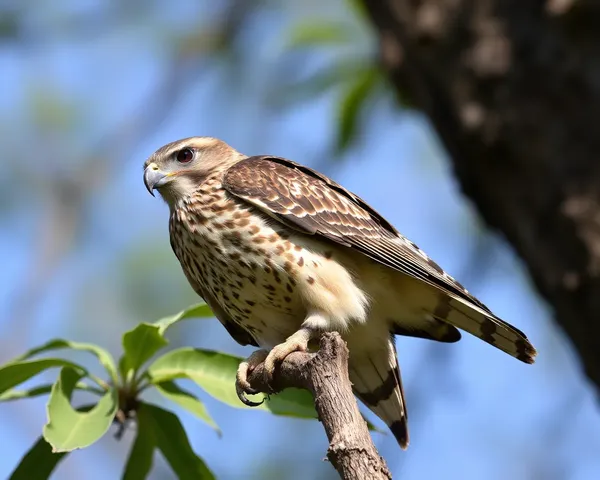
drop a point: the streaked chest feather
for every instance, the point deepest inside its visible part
(264, 276)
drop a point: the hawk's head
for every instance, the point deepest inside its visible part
(177, 169)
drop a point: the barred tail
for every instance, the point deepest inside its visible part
(484, 325)
(375, 376)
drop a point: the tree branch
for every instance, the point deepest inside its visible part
(325, 375)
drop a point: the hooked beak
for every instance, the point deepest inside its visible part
(154, 178)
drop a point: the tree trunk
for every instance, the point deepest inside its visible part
(513, 89)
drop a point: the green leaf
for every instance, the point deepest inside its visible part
(142, 342)
(10, 395)
(139, 345)
(358, 7)
(215, 373)
(38, 463)
(352, 102)
(141, 455)
(67, 429)
(103, 356)
(13, 394)
(170, 437)
(173, 392)
(17, 372)
(200, 310)
(315, 33)
(317, 84)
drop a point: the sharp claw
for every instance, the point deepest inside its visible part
(242, 387)
(271, 360)
(245, 400)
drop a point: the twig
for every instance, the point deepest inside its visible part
(325, 375)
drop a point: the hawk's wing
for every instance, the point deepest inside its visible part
(308, 201)
(312, 203)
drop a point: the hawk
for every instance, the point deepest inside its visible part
(282, 253)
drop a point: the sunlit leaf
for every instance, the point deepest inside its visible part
(316, 33)
(141, 455)
(143, 341)
(353, 101)
(139, 345)
(126, 374)
(358, 6)
(317, 84)
(173, 392)
(215, 373)
(17, 372)
(200, 310)
(10, 395)
(170, 437)
(103, 356)
(68, 429)
(38, 463)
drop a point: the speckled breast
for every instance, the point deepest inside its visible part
(241, 260)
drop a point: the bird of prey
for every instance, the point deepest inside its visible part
(281, 253)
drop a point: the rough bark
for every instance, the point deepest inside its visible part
(325, 375)
(513, 89)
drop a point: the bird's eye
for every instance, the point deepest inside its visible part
(185, 155)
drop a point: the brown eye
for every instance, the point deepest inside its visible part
(185, 155)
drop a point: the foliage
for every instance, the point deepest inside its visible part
(355, 74)
(119, 399)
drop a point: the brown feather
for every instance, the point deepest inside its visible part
(313, 204)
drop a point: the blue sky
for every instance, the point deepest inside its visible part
(474, 412)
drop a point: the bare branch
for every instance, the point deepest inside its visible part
(325, 375)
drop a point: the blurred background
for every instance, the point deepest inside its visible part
(90, 89)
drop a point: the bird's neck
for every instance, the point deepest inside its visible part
(204, 191)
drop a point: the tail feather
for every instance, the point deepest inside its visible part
(375, 376)
(434, 329)
(484, 325)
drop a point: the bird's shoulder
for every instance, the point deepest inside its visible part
(290, 187)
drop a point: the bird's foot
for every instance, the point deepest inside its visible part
(298, 342)
(242, 387)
